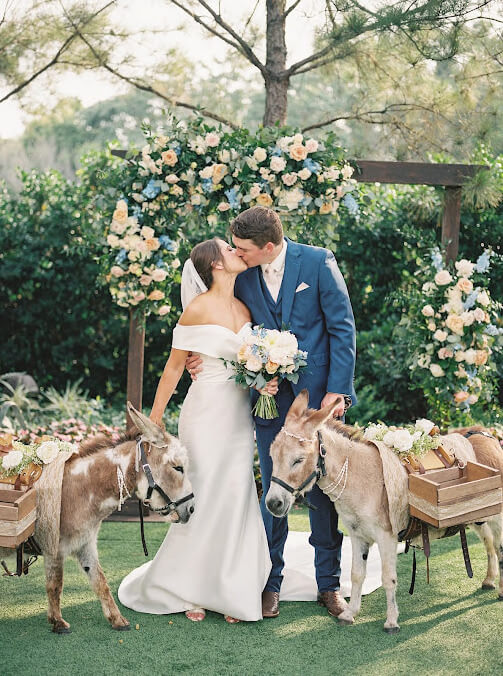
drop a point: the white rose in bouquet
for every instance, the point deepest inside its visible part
(403, 440)
(48, 451)
(254, 363)
(424, 425)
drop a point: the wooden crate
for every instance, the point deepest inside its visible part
(454, 496)
(17, 515)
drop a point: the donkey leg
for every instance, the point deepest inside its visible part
(360, 550)
(486, 534)
(88, 559)
(496, 525)
(54, 587)
(387, 549)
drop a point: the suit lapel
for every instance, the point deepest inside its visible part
(290, 276)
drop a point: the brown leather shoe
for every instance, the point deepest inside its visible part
(270, 604)
(333, 601)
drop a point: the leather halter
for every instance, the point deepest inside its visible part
(315, 474)
(170, 505)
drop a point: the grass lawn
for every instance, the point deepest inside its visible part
(448, 627)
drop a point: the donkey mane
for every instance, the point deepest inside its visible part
(348, 431)
(98, 443)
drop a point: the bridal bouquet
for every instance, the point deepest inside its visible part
(266, 354)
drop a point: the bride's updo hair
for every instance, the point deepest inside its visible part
(204, 255)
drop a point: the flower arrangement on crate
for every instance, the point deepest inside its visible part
(454, 328)
(266, 354)
(192, 167)
(409, 440)
(41, 452)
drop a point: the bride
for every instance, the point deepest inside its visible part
(220, 560)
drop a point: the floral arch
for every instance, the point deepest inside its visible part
(191, 168)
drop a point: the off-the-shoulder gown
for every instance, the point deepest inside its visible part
(219, 560)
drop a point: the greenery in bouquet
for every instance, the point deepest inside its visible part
(415, 440)
(195, 169)
(266, 354)
(40, 452)
(454, 329)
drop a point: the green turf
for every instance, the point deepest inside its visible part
(448, 627)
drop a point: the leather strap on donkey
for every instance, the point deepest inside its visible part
(320, 471)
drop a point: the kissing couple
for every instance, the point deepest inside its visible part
(229, 557)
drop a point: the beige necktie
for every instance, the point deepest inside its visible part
(273, 280)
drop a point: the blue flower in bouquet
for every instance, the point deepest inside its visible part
(275, 151)
(121, 256)
(232, 197)
(178, 150)
(483, 262)
(311, 165)
(492, 330)
(470, 300)
(207, 184)
(436, 259)
(351, 204)
(150, 191)
(167, 243)
(137, 212)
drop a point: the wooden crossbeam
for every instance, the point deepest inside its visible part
(415, 173)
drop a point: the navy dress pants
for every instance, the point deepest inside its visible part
(325, 536)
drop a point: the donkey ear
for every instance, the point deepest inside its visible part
(152, 432)
(317, 418)
(299, 405)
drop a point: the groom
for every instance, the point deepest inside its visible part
(299, 287)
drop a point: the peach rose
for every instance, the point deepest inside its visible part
(271, 367)
(224, 206)
(459, 355)
(304, 174)
(277, 163)
(156, 294)
(172, 178)
(152, 244)
(436, 371)
(117, 271)
(145, 280)
(219, 171)
(120, 213)
(264, 199)
(461, 396)
(298, 152)
(163, 310)
(211, 139)
(479, 314)
(481, 357)
(169, 157)
(428, 311)
(259, 154)
(465, 285)
(311, 145)
(443, 277)
(255, 190)
(472, 399)
(289, 179)
(159, 275)
(326, 208)
(455, 324)
(445, 353)
(440, 335)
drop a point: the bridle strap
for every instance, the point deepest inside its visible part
(319, 472)
(171, 505)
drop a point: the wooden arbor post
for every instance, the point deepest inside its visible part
(135, 358)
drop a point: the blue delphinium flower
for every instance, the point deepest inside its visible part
(232, 196)
(309, 163)
(351, 204)
(436, 259)
(207, 184)
(151, 190)
(274, 150)
(483, 262)
(167, 243)
(121, 256)
(491, 330)
(160, 263)
(471, 299)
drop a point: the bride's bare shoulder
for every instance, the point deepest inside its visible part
(195, 313)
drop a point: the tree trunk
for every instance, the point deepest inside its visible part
(276, 83)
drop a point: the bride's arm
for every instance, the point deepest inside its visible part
(169, 380)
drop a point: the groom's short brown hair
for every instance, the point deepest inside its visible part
(259, 224)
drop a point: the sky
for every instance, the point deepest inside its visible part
(91, 87)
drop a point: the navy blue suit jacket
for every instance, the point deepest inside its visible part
(320, 315)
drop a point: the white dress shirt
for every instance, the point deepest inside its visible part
(273, 272)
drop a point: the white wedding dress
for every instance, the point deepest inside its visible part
(219, 560)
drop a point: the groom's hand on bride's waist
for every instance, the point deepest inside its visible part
(194, 365)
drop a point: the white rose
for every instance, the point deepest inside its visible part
(389, 438)
(304, 174)
(424, 425)
(467, 318)
(428, 287)
(211, 139)
(207, 172)
(12, 459)
(48, 451)
(147, 232)
(470, 355)
(347, 171)
(483, 298)
(224, 156)
(259, 154)
(443, 277)
(311, 145)
(253, 363)
(428, 311)
(159, 275)
(113, 241)
(424, 361)
(440, 335)
(402, 440)
(277, 163)
(464, 267)
(436, 371)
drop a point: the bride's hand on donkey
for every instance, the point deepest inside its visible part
(193, 364)
(271, 387)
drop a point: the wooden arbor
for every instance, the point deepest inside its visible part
(450, 176)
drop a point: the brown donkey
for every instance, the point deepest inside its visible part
(355, 483)
(90, 492)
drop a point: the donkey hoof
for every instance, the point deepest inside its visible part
(345, 618)
(500, 597)
(61, 628)
(122, 627)
(488, 585)
(392, 630)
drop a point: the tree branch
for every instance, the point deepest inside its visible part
(57, 55)
(237, 43)
(148, 88)
(291, 8)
